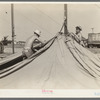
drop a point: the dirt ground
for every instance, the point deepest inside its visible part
(8, 51)
(94, 50)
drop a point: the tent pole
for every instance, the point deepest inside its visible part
(65, 19)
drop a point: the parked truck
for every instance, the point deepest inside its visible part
(94, 40)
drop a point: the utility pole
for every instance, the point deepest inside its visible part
(65, 19)
(92, 30)
(12, 26)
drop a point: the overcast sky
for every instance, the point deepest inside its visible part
(48, 18)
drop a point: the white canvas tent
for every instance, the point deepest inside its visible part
(63, 66)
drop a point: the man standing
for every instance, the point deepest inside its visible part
(33, 44)
(78, 33)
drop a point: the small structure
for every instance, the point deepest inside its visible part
(21, 42)
(5, 41)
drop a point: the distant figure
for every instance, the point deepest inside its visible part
(33, 44)
(78, 33)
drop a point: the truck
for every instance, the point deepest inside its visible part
(93, 40)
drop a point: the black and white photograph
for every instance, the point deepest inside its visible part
(50, 46)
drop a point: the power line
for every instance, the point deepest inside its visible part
(97, 6)
(34, 23)
(47, 16)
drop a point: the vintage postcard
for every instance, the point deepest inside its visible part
(49, 49)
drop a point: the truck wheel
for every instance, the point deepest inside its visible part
(90, 46)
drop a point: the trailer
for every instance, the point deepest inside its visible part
(94, 40)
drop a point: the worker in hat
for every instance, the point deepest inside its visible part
(78, 32)
(33, 44)
(78, 35)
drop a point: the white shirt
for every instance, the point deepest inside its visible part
(79, 36)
